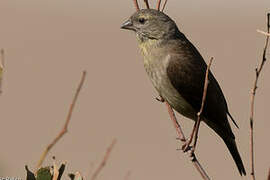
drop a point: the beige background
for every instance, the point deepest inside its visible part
(49, 43)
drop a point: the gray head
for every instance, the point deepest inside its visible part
(151, 24)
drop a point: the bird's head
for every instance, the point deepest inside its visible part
(151, 24)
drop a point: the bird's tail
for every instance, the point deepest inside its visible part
(231, 145)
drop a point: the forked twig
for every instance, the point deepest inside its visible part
(262, 32)
(147, 4)
(103, 162)
(65, 128)
(181, 136)
(253, 93)
(179, 131)
(136, 5)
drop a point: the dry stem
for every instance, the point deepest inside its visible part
(206, 82)
(136, 5)
(262, 32)
(147, 4)
(180, 133)
(158, 5)
(164, 5)
(103, 162)
(181, 136)
(65, 127)
(253, 92)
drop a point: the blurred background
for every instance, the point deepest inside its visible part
(49, 43)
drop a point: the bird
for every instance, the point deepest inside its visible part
(177, 71)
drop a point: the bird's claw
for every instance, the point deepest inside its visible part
(160, 99)
(186, 146)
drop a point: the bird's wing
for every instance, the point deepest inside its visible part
(186, 71)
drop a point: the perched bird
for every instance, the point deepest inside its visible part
(177, 71)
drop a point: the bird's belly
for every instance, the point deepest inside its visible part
(158, 76)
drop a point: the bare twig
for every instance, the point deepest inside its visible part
(103, 162)
(181, 136)
(163, 7)
(206, 82)
(268, 178)
(262, 32)
(253, 92)
(195, 130)
(158, 5)
(196, 126)
(136, 5)
(147, 4)
(65, 128)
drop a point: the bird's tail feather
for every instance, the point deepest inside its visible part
(230, 143)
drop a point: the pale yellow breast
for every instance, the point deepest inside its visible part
(156, 66)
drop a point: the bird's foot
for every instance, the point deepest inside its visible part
(160, 99)
(186, 146)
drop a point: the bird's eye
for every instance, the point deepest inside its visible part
(142, 20)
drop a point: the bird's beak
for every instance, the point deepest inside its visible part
(128, 25)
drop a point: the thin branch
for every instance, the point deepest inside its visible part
(65, 127)
(262, 32)
(104, 161)
(195, 129)
(206, 82)
(181, 136)
(136, 5)
(147, 4)
(158, 5)
(163, 7)
(253, 93)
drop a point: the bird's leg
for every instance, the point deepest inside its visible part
(196, 132)
(186, 145)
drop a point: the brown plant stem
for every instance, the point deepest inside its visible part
(147, 4)
(181, 136)
(136, 5)
(253, 93)
(195, 130)
(164, 5)
(206, 82)
(262, 32)
(104, 161)
(65, 127)
(158, 5)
